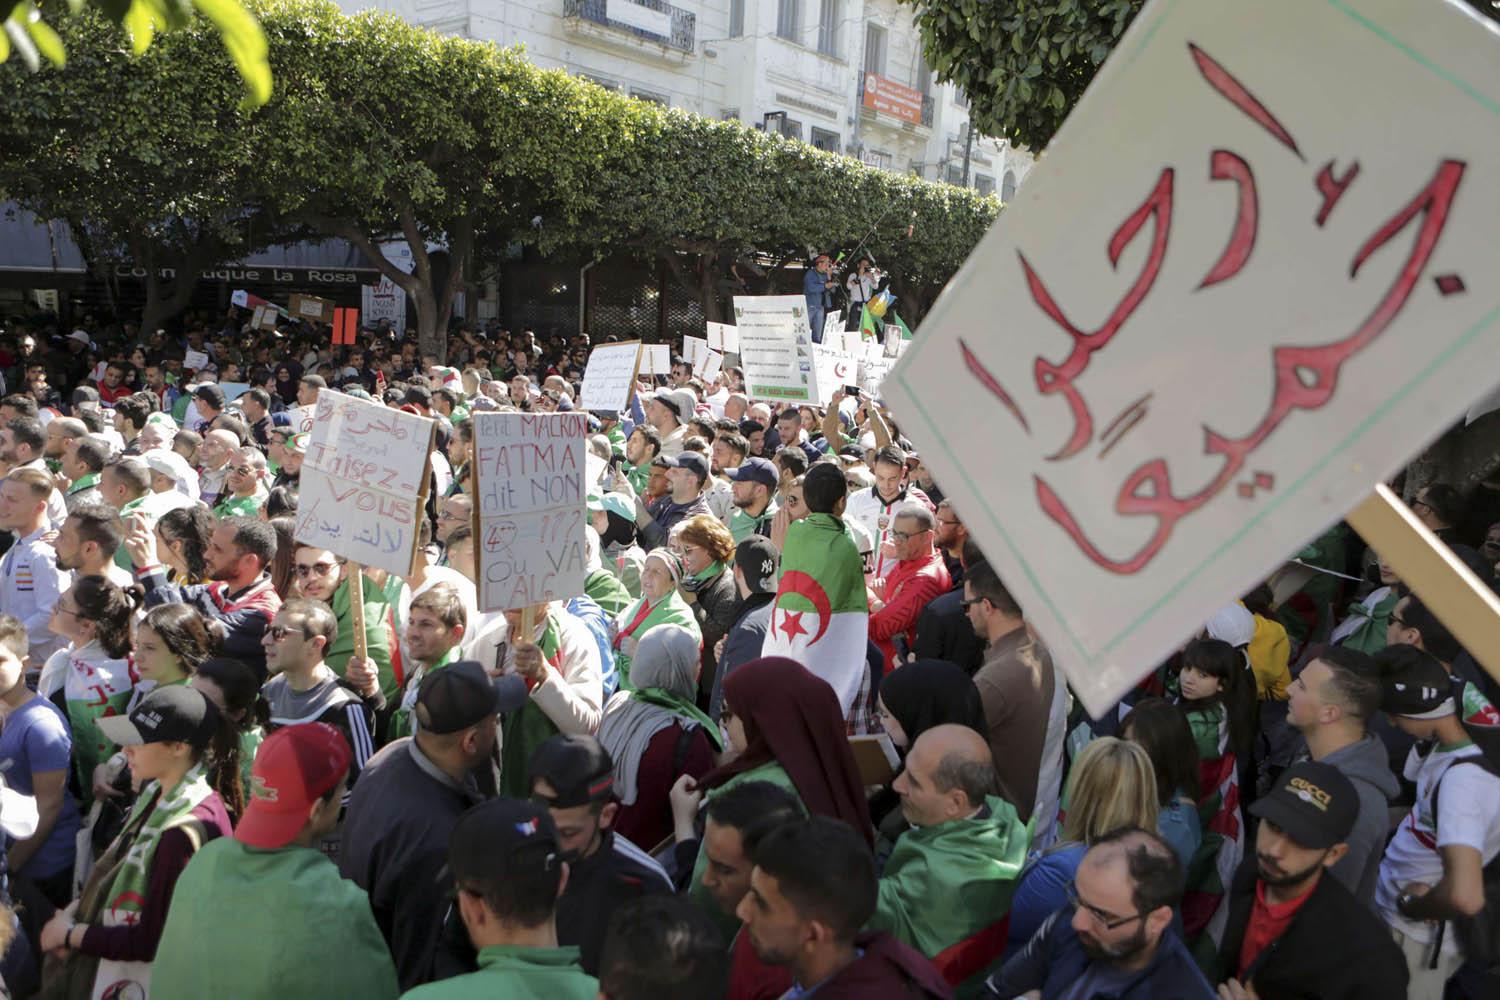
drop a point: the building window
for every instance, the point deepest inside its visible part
(829, 17)
(924, 77)
(1008, 186)
(960, 98)
(604, 82)
(955, 174)
(736, 18)
(875, 49)
(788, 19)
(983, 184)
(825, 140)
(651, 96)
(877, 158)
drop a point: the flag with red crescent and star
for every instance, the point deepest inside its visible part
(821, 617)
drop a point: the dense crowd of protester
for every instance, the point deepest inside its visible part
(795, 739)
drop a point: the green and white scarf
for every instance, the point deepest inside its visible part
(155, 813)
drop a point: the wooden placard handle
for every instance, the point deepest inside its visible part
(1461, 601)
(357, 608)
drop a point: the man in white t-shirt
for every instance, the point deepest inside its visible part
(1433, 867)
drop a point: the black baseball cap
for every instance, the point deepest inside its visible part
(758, 559)
(1413, 683)
(500, 838)
(690, 460)
(577, 767)
(453, 698)
(1313, 803)
(175, 713)
(755, 470)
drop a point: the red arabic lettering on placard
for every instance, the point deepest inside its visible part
(1306, 378)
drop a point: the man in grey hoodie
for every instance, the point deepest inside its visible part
(1331, 703)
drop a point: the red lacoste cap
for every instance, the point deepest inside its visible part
(294, 768)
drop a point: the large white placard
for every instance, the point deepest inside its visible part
(776, 348)
(363, 481)
(531, 481)
(1164, 369)
(609, 376)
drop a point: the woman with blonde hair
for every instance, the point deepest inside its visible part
(708, 586)
(1112, 785)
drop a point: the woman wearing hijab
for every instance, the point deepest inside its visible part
(924, 694)
(659, 604)
(708, 586)
(655, 734)
(912, 700)
(786, 727)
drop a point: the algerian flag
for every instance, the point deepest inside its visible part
(821, 617)
(870, 326)
(905, 330)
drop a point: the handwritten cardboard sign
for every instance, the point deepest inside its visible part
(302, 417)
(776, 348)
(709, 366)
(1198, 355)
(364, 481)
(609, 376)
(724, 338)
(531, 481)
(196, 360)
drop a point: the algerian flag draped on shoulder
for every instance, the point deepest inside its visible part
(821, 617)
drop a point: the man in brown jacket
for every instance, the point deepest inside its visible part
(1025, 703)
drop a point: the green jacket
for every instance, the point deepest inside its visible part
(516, 973)
(379, 621)
(606, 588)
(233, 506)
(252, 923)
(971, 865)
(673, 610)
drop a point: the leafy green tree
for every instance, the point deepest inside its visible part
(33, 39)
(1022, 63)
(148, 158)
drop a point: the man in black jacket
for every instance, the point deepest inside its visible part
(1292, 932)
(755, 563)
(573, 777)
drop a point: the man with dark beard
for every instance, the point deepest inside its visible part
(1115, 936)
(1281, 910)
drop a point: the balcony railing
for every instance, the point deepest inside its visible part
(684, 23)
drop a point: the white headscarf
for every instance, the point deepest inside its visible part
(666, 658)
(176, 468)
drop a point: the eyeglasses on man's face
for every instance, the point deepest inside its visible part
(1104, 918)
(305, 570)
(280, 632)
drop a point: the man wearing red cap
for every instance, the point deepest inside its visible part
(264, 913)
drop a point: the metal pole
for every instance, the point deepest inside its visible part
(968, 149)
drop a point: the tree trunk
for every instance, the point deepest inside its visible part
(165, 299)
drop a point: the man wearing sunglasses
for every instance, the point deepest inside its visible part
(244, 488)
(323, 576)
(303, 689)
(1115, 936)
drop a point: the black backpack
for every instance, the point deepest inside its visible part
(1479, 935)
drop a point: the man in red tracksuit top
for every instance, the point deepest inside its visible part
(918, 576)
